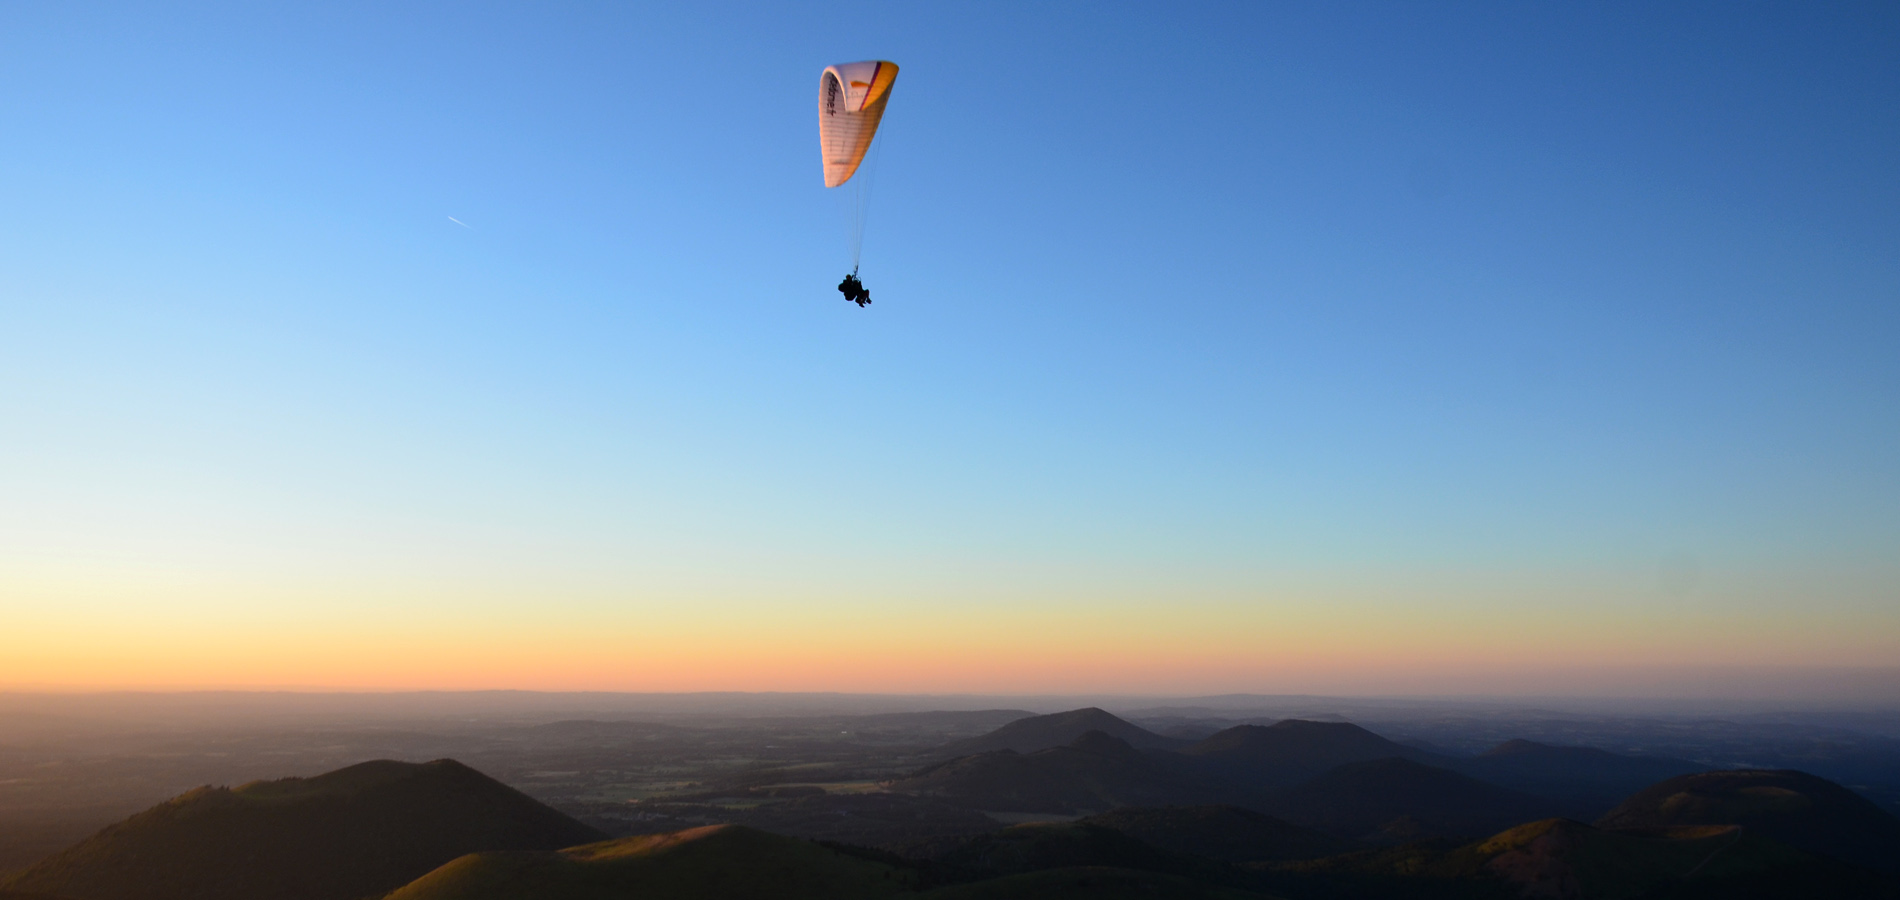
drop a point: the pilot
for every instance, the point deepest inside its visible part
(853, 289)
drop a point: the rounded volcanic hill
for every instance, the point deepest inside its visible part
(1290, 751)
(730, 862)
(1795, 808)
(1056, 730)
(352, 833)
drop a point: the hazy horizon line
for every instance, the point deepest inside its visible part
(1757, 689)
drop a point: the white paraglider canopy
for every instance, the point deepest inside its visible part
(851, 98)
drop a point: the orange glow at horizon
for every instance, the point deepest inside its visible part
(1458, 635)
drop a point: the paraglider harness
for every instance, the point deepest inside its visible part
(853, 289)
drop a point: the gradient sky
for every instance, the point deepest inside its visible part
(1402, 348)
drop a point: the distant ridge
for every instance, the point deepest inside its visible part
(352, 833)
(1058, 729)
(1798, 809)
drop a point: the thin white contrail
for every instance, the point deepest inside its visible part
(460, 222)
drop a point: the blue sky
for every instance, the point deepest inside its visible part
(1171, 305)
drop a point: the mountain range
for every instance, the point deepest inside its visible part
(1295, 810)
(1334, 777)
(1090, 760)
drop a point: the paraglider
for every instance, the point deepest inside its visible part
(851, 99)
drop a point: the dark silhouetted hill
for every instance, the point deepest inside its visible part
(1056, 730)
(1360, 799)
(1559, 859)
(345, 835)
(730, 862)
(1587, 781)
(1795, 808)
(1094, 772)
(1226, 833)
(1289, 752)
